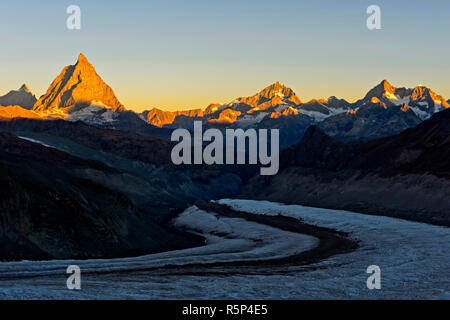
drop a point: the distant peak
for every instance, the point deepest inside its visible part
(387, 86)
(383, 89)
(276, 88)
(25, 88)
(279, 91)
(82, 59)
(277, 84)
(422, 90)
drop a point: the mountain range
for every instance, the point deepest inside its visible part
(84, 177)
(78, 93)
(22, 97)
(405, 176)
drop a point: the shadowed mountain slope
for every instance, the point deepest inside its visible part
(406, 175)
(54, 206)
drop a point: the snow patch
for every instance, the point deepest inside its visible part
(248, 120)
(36, 141)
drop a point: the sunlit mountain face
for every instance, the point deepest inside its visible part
(277, 101)
(385, 110)
(77, 87)
(78, 93)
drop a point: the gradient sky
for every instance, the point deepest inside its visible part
(178, 54)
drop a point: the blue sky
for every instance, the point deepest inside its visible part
(183, 54)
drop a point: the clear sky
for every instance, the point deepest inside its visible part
(178, 54)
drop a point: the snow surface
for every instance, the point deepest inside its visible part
(413, 257)
(36, 141)
(249, 120)
(399, 101)
(96, 113)
(319, 116)
(227, 240)
(423, 115)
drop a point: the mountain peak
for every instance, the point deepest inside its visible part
(25, 88)
(82, 59)
(276, 86)
(84, 65)
(271, 96)
(278, 89)
(78, 86)
(384, 90)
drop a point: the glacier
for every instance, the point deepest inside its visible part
(413, 257)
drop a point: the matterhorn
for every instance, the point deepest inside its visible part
(78, 86)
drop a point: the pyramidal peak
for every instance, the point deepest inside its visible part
(279, 90)
(78, 86)
(82, 60)
(84, 66)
